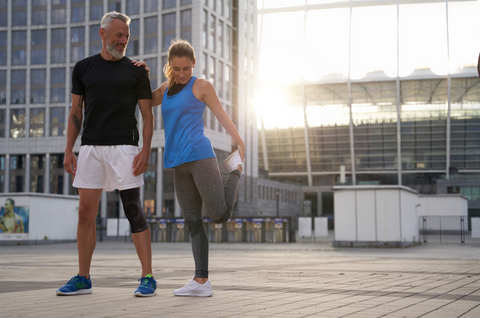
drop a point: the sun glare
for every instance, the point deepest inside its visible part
(274, 112)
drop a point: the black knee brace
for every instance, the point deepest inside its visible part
(133, 210)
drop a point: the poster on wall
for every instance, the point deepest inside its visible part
(14, 218)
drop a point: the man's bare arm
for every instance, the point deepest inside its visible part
(142, 160)
(75, 119)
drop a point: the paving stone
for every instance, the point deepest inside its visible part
(254, 280)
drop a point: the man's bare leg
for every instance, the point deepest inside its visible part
(143, 245)
(86, 230)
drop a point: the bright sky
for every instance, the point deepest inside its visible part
(422, 43)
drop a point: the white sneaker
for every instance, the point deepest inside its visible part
(233, 161)
(195, 289)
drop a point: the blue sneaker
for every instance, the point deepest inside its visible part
(147, 288)
(78, 285)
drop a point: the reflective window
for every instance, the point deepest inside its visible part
(3, 47)
(39, 17)
(37, 122)
(37, 86)
(186, 25)
(96, 12)
(133, 43)
(220, 39)
(95, 40)
(211, 34)
(185, 2)
(151, 5)
(57, 87)
(463, 24)
(3, 120)
(19, 18)
(204, 28)
(325, 28)
(37, 173)
(17, 123)
(114, 5)
(77, 35)
(151, 28)
(415, 52)
(19, 77)
(204, 65)
(3, 18)
(381, 56)
(219, 87)
(220, 7)
(38, 76)
(39, 41)
(58, 55)
(56, 174)
(59, 36)
(227, 9)
(133, 7)
(57, 121)
(168, 30)
(39, 37)
(59, 16)
(58, 52)
(3, 87)
(167, 4)
(77, 53)
(228, 95)
(228, 42)
(78, 14)
(19, 38)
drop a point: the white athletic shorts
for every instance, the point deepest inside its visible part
(107, 168)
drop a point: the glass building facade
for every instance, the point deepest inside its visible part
(40, 42)
(387, 89)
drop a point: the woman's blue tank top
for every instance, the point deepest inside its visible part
(185, 139)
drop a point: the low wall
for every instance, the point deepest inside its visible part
(40, 217)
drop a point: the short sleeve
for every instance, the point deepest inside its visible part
(143, 89)
(77, 85)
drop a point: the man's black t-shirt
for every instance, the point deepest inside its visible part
(111, 90)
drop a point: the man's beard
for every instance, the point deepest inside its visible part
(111, 49)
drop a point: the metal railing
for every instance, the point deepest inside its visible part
(447, 229)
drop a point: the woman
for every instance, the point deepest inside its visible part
(190, 153)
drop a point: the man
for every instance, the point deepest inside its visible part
(11, 222)
(109, 86)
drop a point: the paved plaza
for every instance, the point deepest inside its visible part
(249, 280)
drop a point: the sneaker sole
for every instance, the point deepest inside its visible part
(78, 292)
(194, 295)
(144, 295)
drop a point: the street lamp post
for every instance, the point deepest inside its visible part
(278, 214)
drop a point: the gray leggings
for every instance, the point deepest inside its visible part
(200, 182)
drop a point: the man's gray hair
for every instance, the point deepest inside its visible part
(108, 18)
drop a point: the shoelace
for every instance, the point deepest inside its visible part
(144, 282)
(74, 280)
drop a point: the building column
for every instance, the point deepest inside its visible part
(159, 187)
(26, 185)
(349, 83)
(176, 211)
(66, 182)
(103, 205)
(7, 173)
(449, 82)
(121, 210)
(46, 183)
(399, 118)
